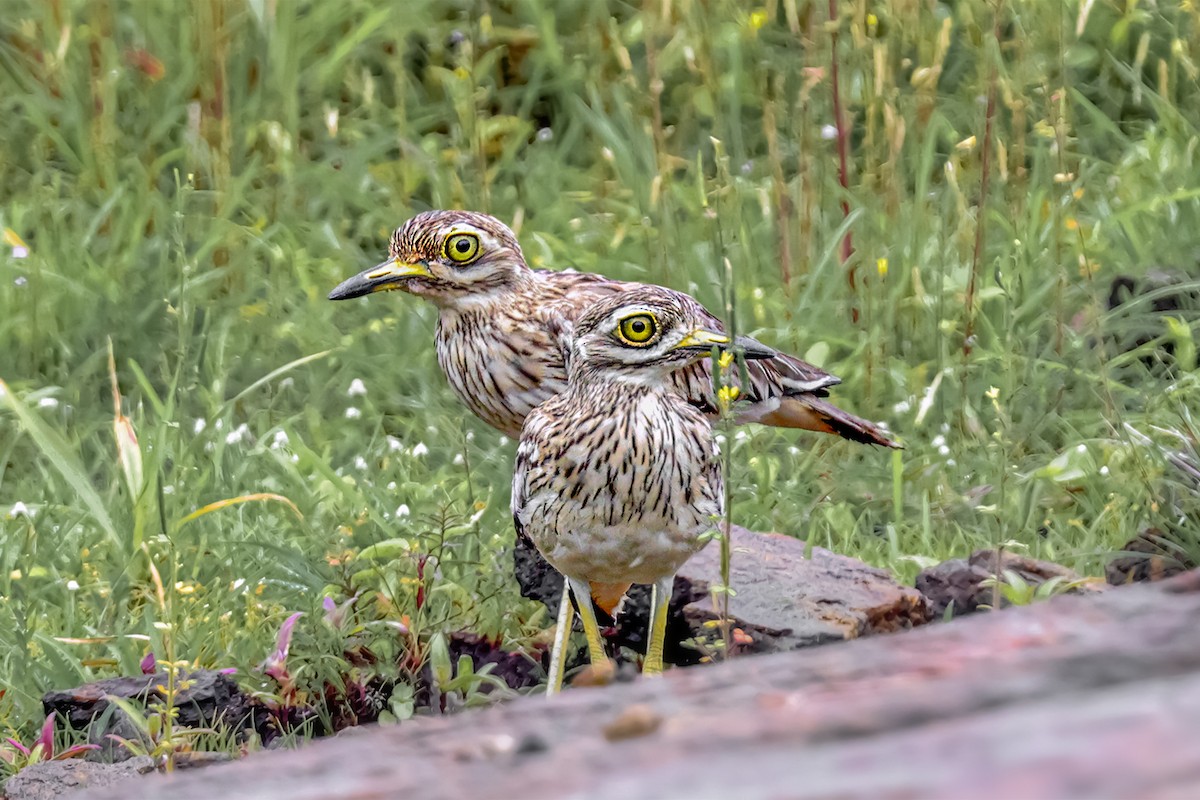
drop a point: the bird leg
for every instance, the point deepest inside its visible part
(660, 602)
(562, 635)
(591, 629)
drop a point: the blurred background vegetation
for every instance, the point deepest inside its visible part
(983, 216)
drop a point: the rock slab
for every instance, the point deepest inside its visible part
(787, 596)
(52, 779)
(210, 699)
(958, 584)
(1081, 696)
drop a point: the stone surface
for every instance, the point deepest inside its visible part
(53, 779)
(959, 584)
(953, 585)
(1092, 695)
(212, 699)
(786, 597)
(1147, 557)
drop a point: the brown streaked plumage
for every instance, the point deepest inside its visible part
(618, 476)
(498, 320)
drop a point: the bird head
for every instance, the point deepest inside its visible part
(446, 256)
(646, 332)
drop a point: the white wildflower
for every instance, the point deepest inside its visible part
(169, 489)
(828, 132)
(403, 510)
(280, 440)
(287, 382)
(199, 425)
(20, 251)
(420, 450)
(353, 413)
(72, 586)
(360, 463)
(394, 444)
(391, 487)
(938, 441)
(503, 441)
(236, 435)
(944, 450)
(458, 459)
(48, 402)
(19, 509)
(357, 388)
(903, 407)
(1104, 470)
(741, 436)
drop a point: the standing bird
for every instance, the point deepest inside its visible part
(497, 320)
(618, 477)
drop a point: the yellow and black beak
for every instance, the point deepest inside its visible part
(703, 341)
(388, 275)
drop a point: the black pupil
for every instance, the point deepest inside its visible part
(639, 326)
(462, 245)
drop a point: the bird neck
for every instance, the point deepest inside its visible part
(588, 380)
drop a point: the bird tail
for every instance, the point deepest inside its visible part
(608, 596)
(815, 414)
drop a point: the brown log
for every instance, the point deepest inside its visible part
(1081, 696)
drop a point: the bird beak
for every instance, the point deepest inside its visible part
(701, 339)
(704, 340)
(752, 348)
(387, 275)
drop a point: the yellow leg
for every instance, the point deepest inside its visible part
(562, 635)
(591, 628)
(660, 603)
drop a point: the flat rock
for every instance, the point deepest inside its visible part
(210, 699)
(957, 584)
(1149, 556)
(787, 596)
(53, 779)
(1084, 696)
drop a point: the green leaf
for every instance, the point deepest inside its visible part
(62, 457)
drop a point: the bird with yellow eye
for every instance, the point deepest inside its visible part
(618, 477)
(499, 327)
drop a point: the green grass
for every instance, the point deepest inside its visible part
(190, 185)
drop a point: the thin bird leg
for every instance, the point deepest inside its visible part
(562, 635)
(591, 628)
(660, 602)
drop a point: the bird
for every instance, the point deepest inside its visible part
(497, 323)
(618, 477)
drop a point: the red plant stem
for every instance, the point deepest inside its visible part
(843, 143)
(985, 166)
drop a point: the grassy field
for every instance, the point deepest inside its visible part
(941, 227)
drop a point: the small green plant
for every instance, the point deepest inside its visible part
(15, 756)
(1013, 589)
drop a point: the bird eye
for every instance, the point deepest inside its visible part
(637, 329)
(462, 247)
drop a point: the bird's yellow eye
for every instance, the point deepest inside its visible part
(462, 247)
(637, 329)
